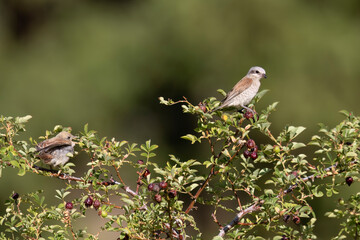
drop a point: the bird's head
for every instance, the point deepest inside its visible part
(257, 72)
(65, 135)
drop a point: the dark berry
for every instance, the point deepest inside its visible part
(248, 115)
(151, 187)
(96, 204)
(349, 180)
(156, 187)
(88, 201)
(202, 107)
(255, 149)
(247, 153)
(141, 162)
(284, 237)
(254, 155)
(146, 173)
(15, 196)
(296, 219)
(250, 143)
(286, 218)
(172, 193)
(69, 205)
(157, 198)
(163, 185)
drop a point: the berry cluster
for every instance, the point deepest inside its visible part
(252, 149)
(295, 219)
(157, 187)
(248, 115)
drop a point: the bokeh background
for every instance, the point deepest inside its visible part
(106, 63)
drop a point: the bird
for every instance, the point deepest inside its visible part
(244, 91)
(54, 151)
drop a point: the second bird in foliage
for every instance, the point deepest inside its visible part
(54, 151)
(244, 91)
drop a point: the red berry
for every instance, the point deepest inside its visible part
(157, 198)
(146, 173)
(349, 180)
(202, 107)
(156, 187)
(151, 187)
(15, 196)
(250, 143)
(163, 185)
(96, 204)
(254, 155)
(248, 115)
(172, 193)
(88, 202)
(286, 218)
(255, 149)
(296, 219)
(247, 153)
(141, 162)
(69, 205)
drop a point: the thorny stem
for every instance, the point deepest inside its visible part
(235, 194)
(255, 207)
(331, 171)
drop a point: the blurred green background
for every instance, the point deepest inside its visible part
(106, 62)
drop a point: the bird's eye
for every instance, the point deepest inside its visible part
(69, 137)
(257, 71)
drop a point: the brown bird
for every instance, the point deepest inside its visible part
(54, 151)
(244, 91)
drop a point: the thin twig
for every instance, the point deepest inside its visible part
(255, 207)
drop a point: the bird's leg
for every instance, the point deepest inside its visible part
(249, 109)
(45, 169)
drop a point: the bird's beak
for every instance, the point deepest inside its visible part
(264, 75)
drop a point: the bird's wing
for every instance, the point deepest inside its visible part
(52, 143)
(241, 86)
(46, 157)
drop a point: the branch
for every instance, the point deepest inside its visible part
(255, 207)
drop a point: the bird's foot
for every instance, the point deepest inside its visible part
(45, 169)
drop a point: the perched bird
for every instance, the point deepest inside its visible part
(244, 91)
(54, 151)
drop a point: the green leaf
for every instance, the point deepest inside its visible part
(217, 238)
(222, 92)
(297, 145)
(191, 138)
(260, 94)
(24, 119)
(21, 172)
(351, 154)
(295, 131)
(268, 192)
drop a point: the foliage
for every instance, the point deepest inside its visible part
(271, 183)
